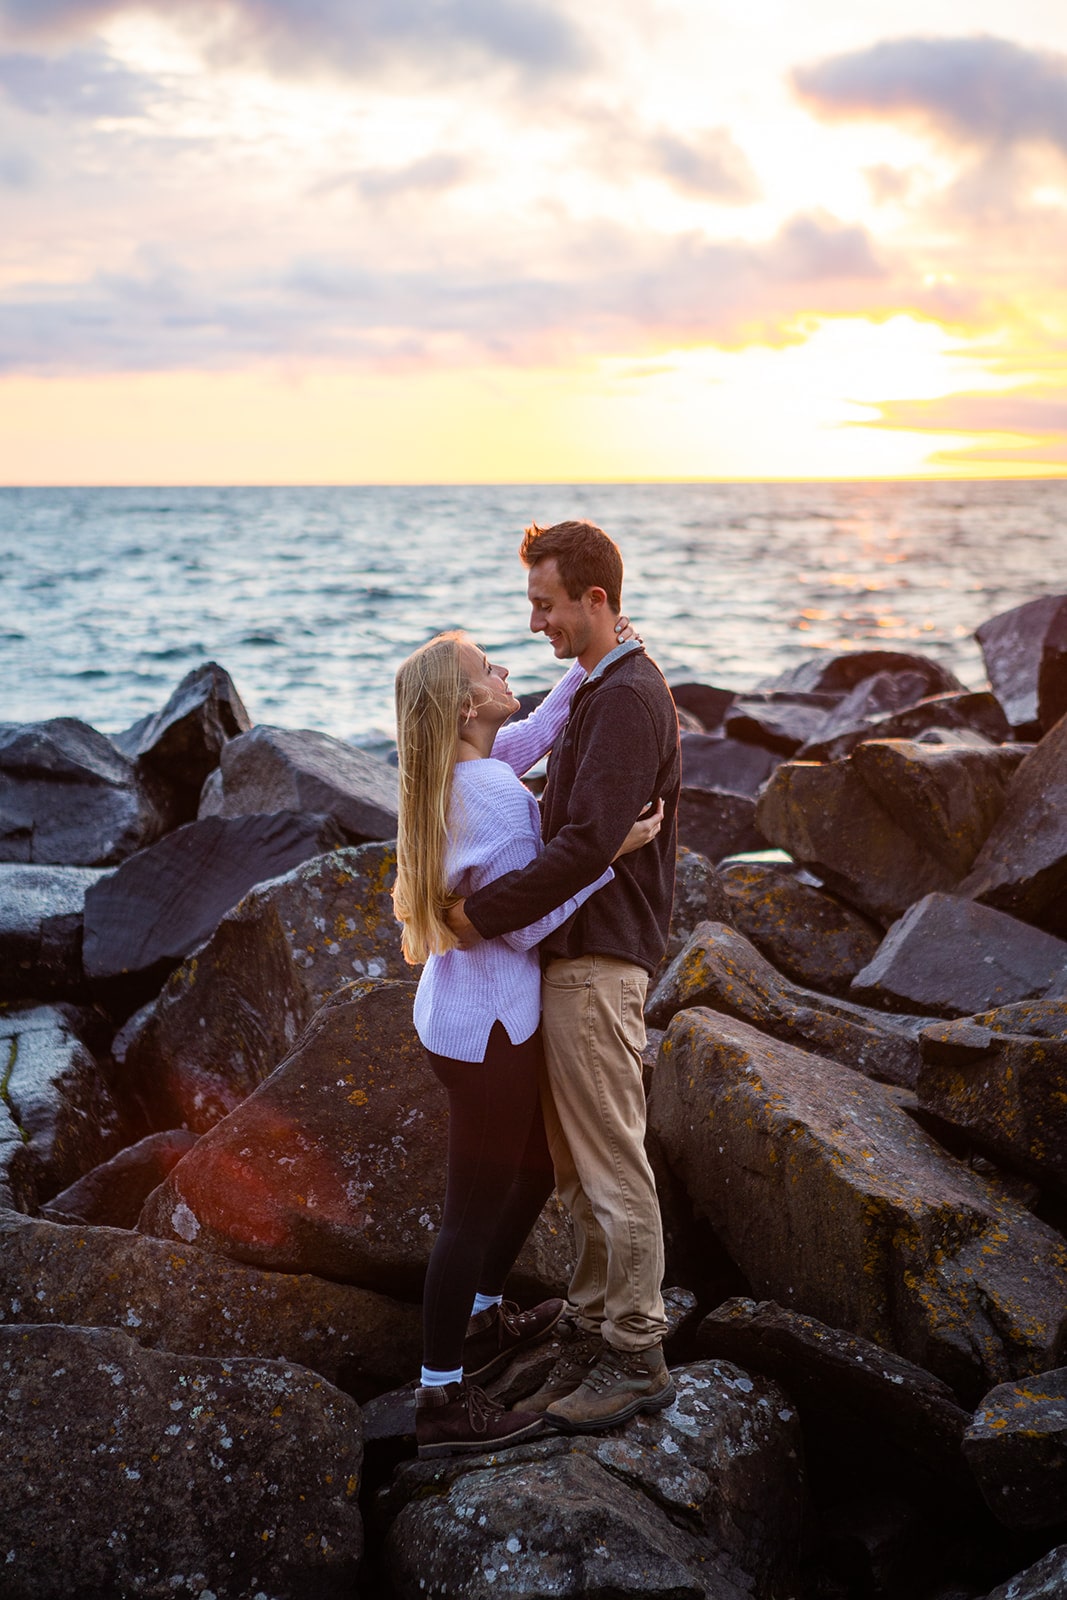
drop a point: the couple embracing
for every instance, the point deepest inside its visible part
(539, 933)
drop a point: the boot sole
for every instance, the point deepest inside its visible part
(500, 1361)
(479, 1447)
(652, 1402)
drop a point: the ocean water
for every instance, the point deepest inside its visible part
(310, 597)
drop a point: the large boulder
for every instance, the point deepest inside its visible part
(1022, 866)
(838, 675)
(1000, 1078)
(195, 1303)
(1025, 652)
(42, 913)
(716, 824)
(176, 748)
(58, 1117)
(69, 797)
(229, 1014)
(966, 717)
(948, 957)
(112, 1194)
(1017, 1449)
(779, 722)
(165, 901)
(732, 766)
(1045, 1580)
(852, 718)
(703, 701)
(336, 1164)
(835, 1204)
(126, 1469)
(287, 769)
(720, 969)
(702, 1499)
(809, 935)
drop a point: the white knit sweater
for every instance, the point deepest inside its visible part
(495, 827)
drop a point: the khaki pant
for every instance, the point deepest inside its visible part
(593, 1032)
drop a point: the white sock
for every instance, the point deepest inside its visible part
(432, 1379)
(485, 1302)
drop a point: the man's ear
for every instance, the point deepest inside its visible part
(596, 597)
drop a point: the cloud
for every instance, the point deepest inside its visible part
(1012, 412)
(356, 38)
(84, 84)
(429, 175)
(709, 165)
(979, 90)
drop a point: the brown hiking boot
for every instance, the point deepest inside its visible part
(457, 1419)
(494, 1336)
(622, 1383)
(580, 1351)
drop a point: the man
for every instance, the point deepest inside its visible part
(617, 755)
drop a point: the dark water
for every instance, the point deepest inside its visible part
(311, 597)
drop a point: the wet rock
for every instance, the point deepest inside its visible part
(1017, 1449)
(1000, 1078)
(164, 902)
(70, 797)
(827, 817)
(836, 1205)
(229, 1014)
(716, 824)
(730, 765)
(132, 1471)
(176, 748)
(285, 769)
(779, 721)
(852, 718)
(112, 1194)
(1045, 1580)
(973, 717)
(336, 1164)
(708, 704)
(57, 1114)
(949, 957)
(1022, 866)
(824, 674)
(720, 969)
(1025, 652)
(192, 1302)
(42, 912)
(810, 936)
(701, 1499)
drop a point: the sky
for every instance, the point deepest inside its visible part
(440, 241)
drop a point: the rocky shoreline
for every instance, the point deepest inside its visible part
(221, 1166)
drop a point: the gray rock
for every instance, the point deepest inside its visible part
(1024, 656)
(836, 1205)
(720, 969)
(808, 935)
(949, 957)
(699, 896)
(336, 1164)
(69, 797)
(776, 721)
(194, 1303)
(42, 911)
(112, 1194)
(285, 769)
(164, 902)
(135, 1472)
(1045, 1580)
(825, 674)
(853, 718)
(1017, 1449)
(708, 704)
(176, 748)
(729, 765)
(716, 824)
(965, 718)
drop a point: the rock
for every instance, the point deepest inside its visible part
(864, 1406)
(851, 719)
(699, 896)
(805, 933)
(1017, 1449)
(1045, 1580)
(285, 769)
(229, 1014)
(716, 824)
(57, 1114)
(839, 674)
(175, 749)
(827, 818)
(702, 1499)
(194, 1303)
(69, 797)
(1001, 1079)
(1024, 657)
(709, 705)
(720, 969)
(336, 1164)
(728, 765)
(949, 957)
(164, 902)
(42, 911)
(967, 718)
(1022, 866)
(836, 1205)
(127, 1469)
(778, 721)
(112, 1194)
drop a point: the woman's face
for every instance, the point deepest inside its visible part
(489, 684)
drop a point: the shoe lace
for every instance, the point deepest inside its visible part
(613, 1365)
(480, 1409)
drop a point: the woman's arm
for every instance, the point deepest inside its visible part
(520, 744)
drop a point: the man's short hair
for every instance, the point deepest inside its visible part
(583, 553)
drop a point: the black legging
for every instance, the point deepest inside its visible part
(499, 1177)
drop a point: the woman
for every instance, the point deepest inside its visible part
(465, 818)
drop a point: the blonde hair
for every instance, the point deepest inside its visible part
(432, 692)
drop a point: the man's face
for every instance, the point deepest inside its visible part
(566, 623)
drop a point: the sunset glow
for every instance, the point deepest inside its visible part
(249, 241)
